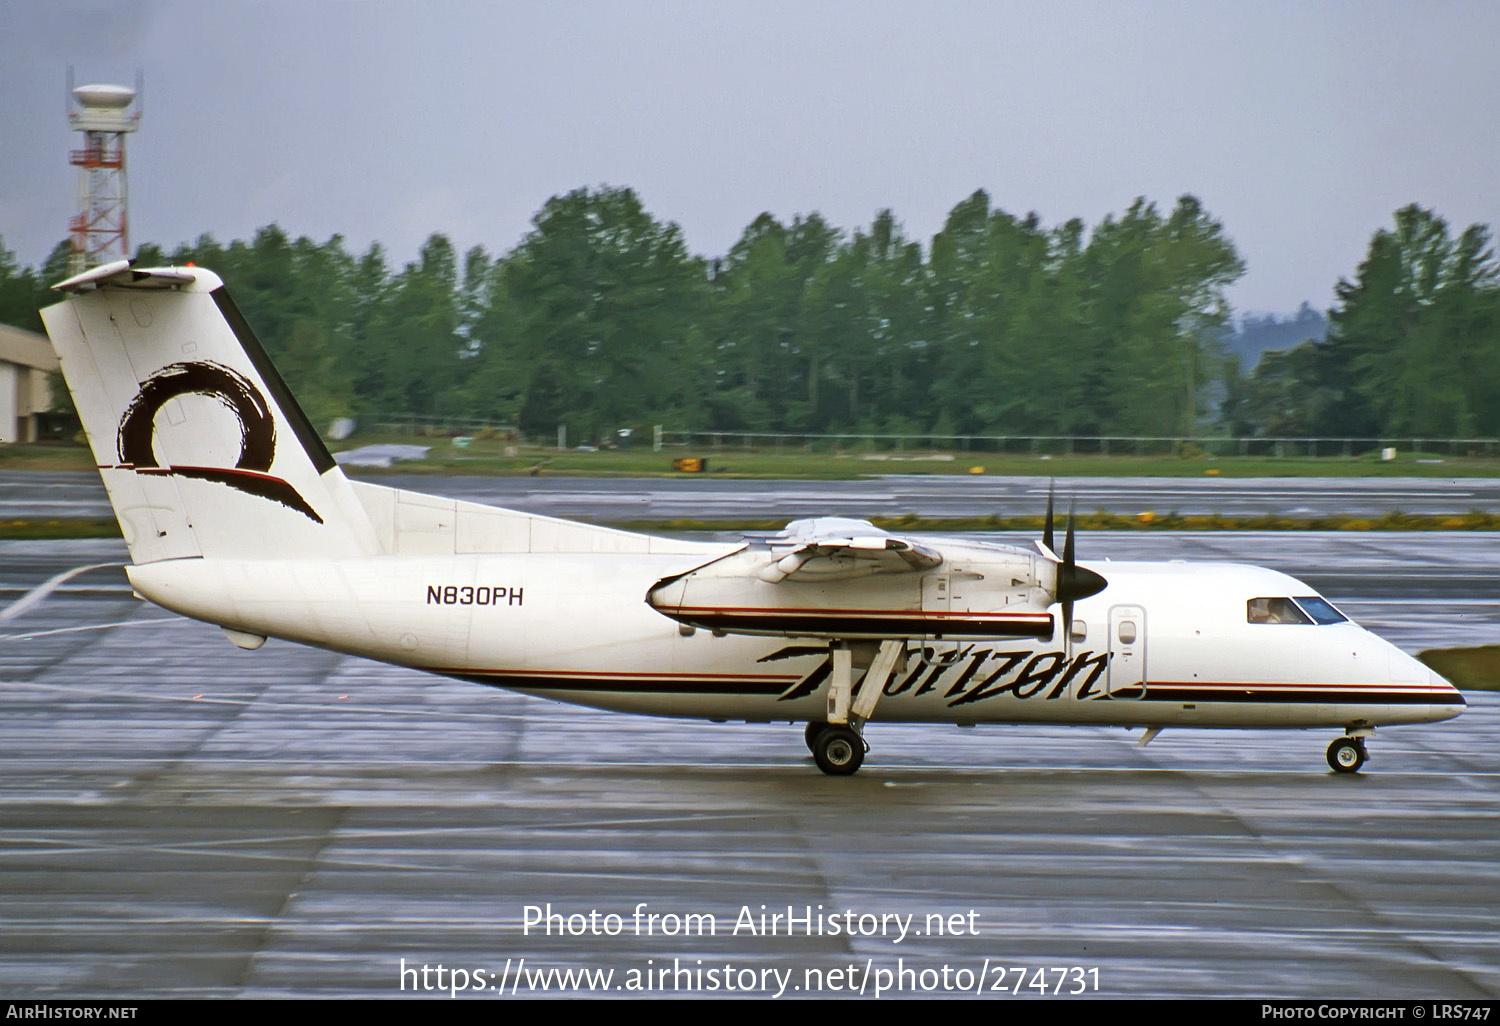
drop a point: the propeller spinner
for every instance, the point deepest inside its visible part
(1073, 581)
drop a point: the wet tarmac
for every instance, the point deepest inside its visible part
(182, 818)
(82, 495)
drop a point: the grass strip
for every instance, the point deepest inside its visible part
(106, 527)
(493, 458)
(1102, 521)
(74, 527)
(1468, 669)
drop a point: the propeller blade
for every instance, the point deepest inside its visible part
(1073, 581)
(1047, 538)
(1068, 541)
(1066, 575)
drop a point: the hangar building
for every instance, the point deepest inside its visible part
(26, 361)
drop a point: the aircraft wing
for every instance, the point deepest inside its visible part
(836, 548)
(841, 579)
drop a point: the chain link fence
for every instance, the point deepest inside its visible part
(1083, 445)
(915, 444)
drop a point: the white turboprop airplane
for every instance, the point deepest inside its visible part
(235, 514)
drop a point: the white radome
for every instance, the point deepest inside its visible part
(107, 96)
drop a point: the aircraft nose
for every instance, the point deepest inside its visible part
(1437, 680)
(1454, 704)
(1445, 700)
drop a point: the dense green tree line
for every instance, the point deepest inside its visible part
(1413, 345)
(601, 317)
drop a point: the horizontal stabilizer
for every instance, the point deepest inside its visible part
(121, 274)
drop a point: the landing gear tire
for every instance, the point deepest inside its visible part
(838, 751)
(1346, 755)
(810, 735)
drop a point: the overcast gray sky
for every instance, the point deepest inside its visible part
(1301, 126)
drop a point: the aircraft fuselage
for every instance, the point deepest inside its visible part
(1166, 644)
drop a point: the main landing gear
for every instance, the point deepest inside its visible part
(836, 743)
(810, 735)
(1347, 754)
(838, 750)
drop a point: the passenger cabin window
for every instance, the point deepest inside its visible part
(1274, 610)
(1320, 609)
(1127, 632)
(1080, 630)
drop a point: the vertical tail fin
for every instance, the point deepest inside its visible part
(202, 449)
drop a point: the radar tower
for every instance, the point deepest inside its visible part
(104, 114)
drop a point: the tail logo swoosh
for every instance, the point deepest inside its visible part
(250, 474)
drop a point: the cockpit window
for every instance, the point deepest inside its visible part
(1320, 609)
(1274, 610)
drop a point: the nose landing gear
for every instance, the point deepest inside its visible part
(1347, 754)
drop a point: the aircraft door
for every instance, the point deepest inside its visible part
(1127, 652)
(938, 597)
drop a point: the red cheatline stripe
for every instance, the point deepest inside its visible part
(188, 469)
(230, 470)
(1302, 685)
(825, 611)
(606, 675)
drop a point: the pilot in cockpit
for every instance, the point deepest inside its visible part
(1273, 610)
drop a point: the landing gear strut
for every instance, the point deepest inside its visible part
(838, 751)
(837, 745)
(1347, 754)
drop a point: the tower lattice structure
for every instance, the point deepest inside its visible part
(100, 230)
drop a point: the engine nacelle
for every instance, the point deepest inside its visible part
(845, 592)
